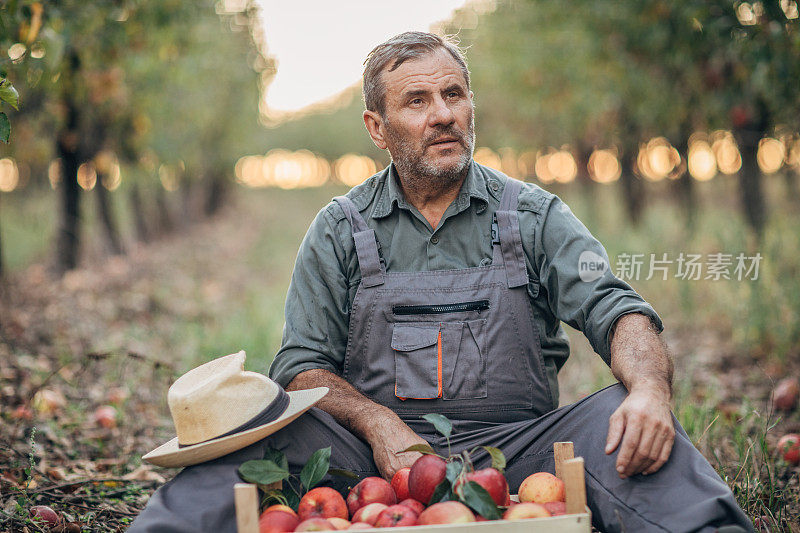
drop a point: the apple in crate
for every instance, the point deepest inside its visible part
(322, 502)
(526, 510)
(396, 516)
(426, 472)
(542, 487)
(370, 490)
(400, 483)
(277, 520)
(556, 508)
(445, 513)
(493, 481)
(414, 505)
(339, 523)
(369, 513)
(315, 524)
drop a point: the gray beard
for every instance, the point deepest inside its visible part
(424, 177)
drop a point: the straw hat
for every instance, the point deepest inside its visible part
(218, 408)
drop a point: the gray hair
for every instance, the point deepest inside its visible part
(398, 49)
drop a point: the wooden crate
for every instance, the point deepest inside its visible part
(568, 468)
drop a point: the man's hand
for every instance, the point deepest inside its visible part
(641, 427)
(643, 424)
(389, 437)
(378, 425)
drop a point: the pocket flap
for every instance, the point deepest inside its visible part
(407, 337)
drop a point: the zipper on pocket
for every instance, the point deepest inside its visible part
(478, 305)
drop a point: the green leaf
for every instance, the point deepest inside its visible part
(479, 500)
(262, 472)
(316, 468)
(453, 470)
(440, 422)
(421, 448)
(442, 493)
(9, 94)
(5, 128)
(277, 457)
(498, 459)
(292, 498)
(343, 473)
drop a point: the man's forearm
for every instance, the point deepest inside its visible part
(344, 403)
(639, 357)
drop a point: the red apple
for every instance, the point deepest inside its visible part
(413, 504)
(426, 472)
(493, 481)
(526, 510)
(789, 448)
(22, 412)
(279, 507)
(396, 516)
(105, 416)
(43, 514)
(400, 483)
(360, 525)
(556, 508)
(445, 513)
(277, 521)
(785, 394)
(542, 487)
(369, 513)
(322, 502)
(339, 523)
(370, 490)
(315, 524)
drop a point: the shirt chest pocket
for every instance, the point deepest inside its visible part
(439, 360)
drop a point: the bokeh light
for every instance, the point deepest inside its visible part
(729, 159)
(658, 159)
(701, 161)
(604, 166)
(352, 169)
(771, 153)
(487, 157)
(87, 176)
(9, 175)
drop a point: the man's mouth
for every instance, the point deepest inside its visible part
(444, 141)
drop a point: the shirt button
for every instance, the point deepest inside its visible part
(494, 186)
(435, 239)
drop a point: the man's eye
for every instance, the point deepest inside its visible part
(416, 101)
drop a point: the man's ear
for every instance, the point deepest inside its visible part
(374, 124)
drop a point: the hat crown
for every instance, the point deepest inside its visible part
(217, 397)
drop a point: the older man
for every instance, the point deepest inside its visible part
(439, 285)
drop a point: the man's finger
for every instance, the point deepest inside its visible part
(664, 455)
(642, 458)
(616, 425)
(630, 443)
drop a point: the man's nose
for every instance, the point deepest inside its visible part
(441, 114)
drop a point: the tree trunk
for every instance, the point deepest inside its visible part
(67, 149)
(142, 231)
(632, 187)
(165, 222)
(751, 192)
(106, 215)
(217, 191)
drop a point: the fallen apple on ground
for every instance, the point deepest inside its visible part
(789, 448)
(785, 394)
(45, 515)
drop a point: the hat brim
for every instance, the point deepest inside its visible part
(170, 455)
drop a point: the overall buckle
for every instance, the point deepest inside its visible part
(495, 230)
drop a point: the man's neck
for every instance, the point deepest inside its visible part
(431, 196)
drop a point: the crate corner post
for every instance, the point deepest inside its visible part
(246, 503)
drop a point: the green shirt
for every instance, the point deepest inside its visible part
(326, 273)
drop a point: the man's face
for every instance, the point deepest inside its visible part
(428, 120)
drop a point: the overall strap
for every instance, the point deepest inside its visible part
(369, 261)
(506, 238)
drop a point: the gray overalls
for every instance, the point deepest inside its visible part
(462, 343)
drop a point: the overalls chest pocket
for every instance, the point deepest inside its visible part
(443, 359)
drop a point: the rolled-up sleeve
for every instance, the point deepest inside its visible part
(316, 314)
(581, 288)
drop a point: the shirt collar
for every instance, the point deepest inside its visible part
(474, 186)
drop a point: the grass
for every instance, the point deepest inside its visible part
(237, 303)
